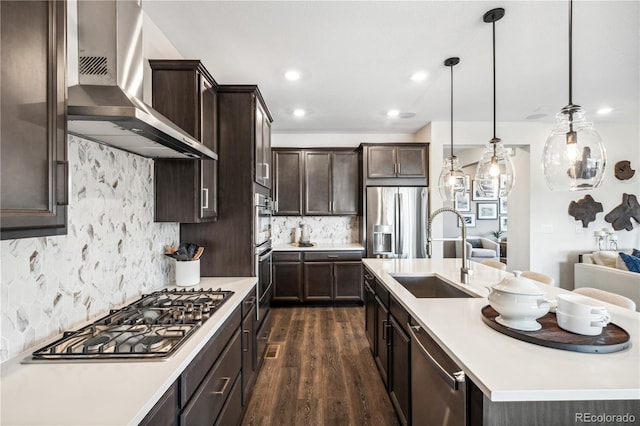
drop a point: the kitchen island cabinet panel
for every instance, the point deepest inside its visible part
(400, 370)
(34, 177)
(370, 309)
(381, 352)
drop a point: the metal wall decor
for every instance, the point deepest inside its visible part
(623, 170)
(585, 210)
(620, 216)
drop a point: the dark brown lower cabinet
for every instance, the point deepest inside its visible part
(287, 280)
(210, 388)
(318, 281)
(399, 370)
(165, 412)
(249, 358)
(370, 310)
(317, 276)
(381, 352)
(386, 323)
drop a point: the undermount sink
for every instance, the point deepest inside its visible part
(429, 286)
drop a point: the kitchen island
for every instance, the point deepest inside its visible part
(105, 393)
(513, 375)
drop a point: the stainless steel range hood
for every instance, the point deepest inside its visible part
(106, 105)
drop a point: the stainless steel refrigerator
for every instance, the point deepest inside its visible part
(396, 221)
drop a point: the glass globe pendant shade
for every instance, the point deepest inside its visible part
(573, 157)
(451, 180)
(495, 169)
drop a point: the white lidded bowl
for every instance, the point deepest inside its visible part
(519, 301)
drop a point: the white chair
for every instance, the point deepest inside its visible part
(494, 264)
(606, 296)
(537, 276)
(479, 249)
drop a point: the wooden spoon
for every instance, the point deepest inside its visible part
(198, 253)
(170, 249)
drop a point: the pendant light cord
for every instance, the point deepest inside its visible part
(493, 24)
(451, 143)
(570, 52)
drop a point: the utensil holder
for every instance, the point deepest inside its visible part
(188, 273)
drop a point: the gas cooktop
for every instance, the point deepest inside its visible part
(151, 328)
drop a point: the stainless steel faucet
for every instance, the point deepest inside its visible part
(464, 270)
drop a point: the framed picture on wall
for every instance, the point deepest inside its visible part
(462, 202)
(487, 211)
(503, 205)
(469, 220)
(483, 191)
(503, 223)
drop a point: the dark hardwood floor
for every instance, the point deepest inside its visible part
(323, 374)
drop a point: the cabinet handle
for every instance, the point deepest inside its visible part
(62, 183)
(333, 256)
(205, 198)
(385, 325)
(266, 171)
(224, 387)
(245, 348)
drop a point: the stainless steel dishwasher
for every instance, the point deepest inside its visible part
(438, 386)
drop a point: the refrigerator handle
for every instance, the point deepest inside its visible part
(399, 248)
(396, 222)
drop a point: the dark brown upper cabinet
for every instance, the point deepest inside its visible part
(315, 182)
(401, 164)
(331, 182)
(288, 174)
(262, 147)
(186, 190)
(34, 179)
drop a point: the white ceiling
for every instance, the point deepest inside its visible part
(356, 58)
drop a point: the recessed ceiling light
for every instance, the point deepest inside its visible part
(299, 112)
(418, 76)
(393, 113)
(605, 111)
(292, 75)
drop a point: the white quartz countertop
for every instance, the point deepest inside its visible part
(319, 247)
(104, 393)
(504, 368)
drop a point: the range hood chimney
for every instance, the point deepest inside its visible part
(106, 105)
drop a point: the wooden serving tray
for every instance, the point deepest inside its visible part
(612, 338)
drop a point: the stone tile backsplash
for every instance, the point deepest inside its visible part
(324, 229)
(113, 251)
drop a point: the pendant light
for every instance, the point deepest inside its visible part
(451, 179)
(573, 157)
(495, 172)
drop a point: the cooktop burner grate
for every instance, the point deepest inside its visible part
(152, 327)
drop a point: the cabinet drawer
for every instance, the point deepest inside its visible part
(196, 371)
(382, 293)
(286, 256)
(216, 387)
(232, 411)
(332, 256)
